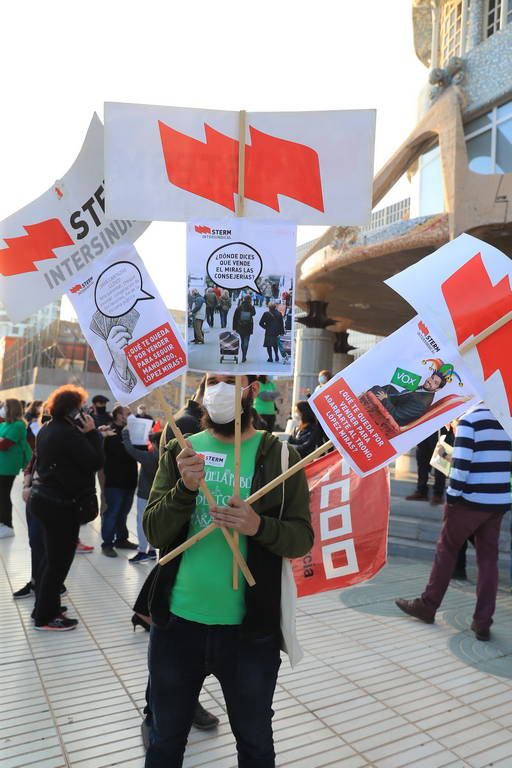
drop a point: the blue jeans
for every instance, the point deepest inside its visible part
(180, 657)
(113, 522)
(244, 341)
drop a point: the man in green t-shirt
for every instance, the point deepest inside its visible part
(201, 625)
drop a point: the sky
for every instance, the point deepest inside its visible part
(60, 62)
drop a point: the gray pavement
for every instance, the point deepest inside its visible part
(375, 689)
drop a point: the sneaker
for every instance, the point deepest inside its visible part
(481, 634)
(6, 531)
(416, 608)
(83, 549)
(140, 557)
(108, 552)
(63, 590)
(152, 554)
(417, 496)
(25, 591)
(203, 719)
(60, 624)
(125, 545)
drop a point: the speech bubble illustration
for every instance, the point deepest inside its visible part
(235, 265)
(119, 288)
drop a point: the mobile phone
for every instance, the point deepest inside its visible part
(76, 415)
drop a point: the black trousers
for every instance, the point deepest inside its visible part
(424, 451)
(60, 534)
(6, 482)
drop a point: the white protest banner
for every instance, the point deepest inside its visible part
(123, 317)
(173, 163)
(401, 391)
(241, 280)
(465, 286)
(138, 429)
(46, 246)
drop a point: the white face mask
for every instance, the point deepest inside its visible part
(219, 401)
(2, 412)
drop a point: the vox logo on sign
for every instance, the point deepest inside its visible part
(406, 379)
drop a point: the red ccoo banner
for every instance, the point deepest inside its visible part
(350, 517)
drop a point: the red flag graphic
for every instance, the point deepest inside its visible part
(273, 166)
(37, 245)
(474, 304)
(349, 515)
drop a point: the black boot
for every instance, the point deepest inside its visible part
(204, 720)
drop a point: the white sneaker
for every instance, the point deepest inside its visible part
(6, 531)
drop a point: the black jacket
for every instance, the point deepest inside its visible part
(120, 467)
(67, 459)
(273, 324)
(306, 440)
(244, 327)
(188, 420)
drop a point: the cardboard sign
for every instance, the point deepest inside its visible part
(49, 245)
(176, 164)
(372, 420)
(123, 317)
(241, 280)
(349, 515)
(464, 287)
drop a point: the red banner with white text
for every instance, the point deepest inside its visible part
(350, 517)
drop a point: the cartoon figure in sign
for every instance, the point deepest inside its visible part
(406, 407)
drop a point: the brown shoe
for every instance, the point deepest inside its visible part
(481, 634)
(436, 500)
(417, 496)
(416, 608)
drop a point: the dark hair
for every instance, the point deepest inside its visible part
(306, 414)
(263, 379)
(154, 437)
(117, 409)
(13, 409)
(65, 399)
(33, 408)
(326, 373)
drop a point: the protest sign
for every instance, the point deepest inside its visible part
(123, 317)
(49, 244)
(176, 164)
(465, 286)
(139, 429)
(241, 277)
(349, 515)
(401, 391)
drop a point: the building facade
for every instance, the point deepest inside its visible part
(459, 161)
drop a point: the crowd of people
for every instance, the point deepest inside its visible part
(199, 624)
(275, 320)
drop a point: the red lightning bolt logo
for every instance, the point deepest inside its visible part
(202, 230)
(273, 166)
(37, 245)
(474, 304)
(423, 328)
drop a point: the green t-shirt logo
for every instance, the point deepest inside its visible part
(406, 379)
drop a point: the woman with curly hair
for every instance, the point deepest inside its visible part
(69, 451)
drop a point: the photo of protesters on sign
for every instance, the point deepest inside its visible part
(241, 277)
(398, 393)
(123, 317)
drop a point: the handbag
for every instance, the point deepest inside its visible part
(291, 645)
(84, 507)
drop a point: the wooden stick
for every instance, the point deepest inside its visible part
(236, 477)
(468, 345)
(289, 472)
(254, 497)
(237, 555)
(242, 118)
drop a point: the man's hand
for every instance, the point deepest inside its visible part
(86, 423)
(191, 467)
(116, 341)
(239, 515)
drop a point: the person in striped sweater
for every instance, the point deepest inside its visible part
(478, 495)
